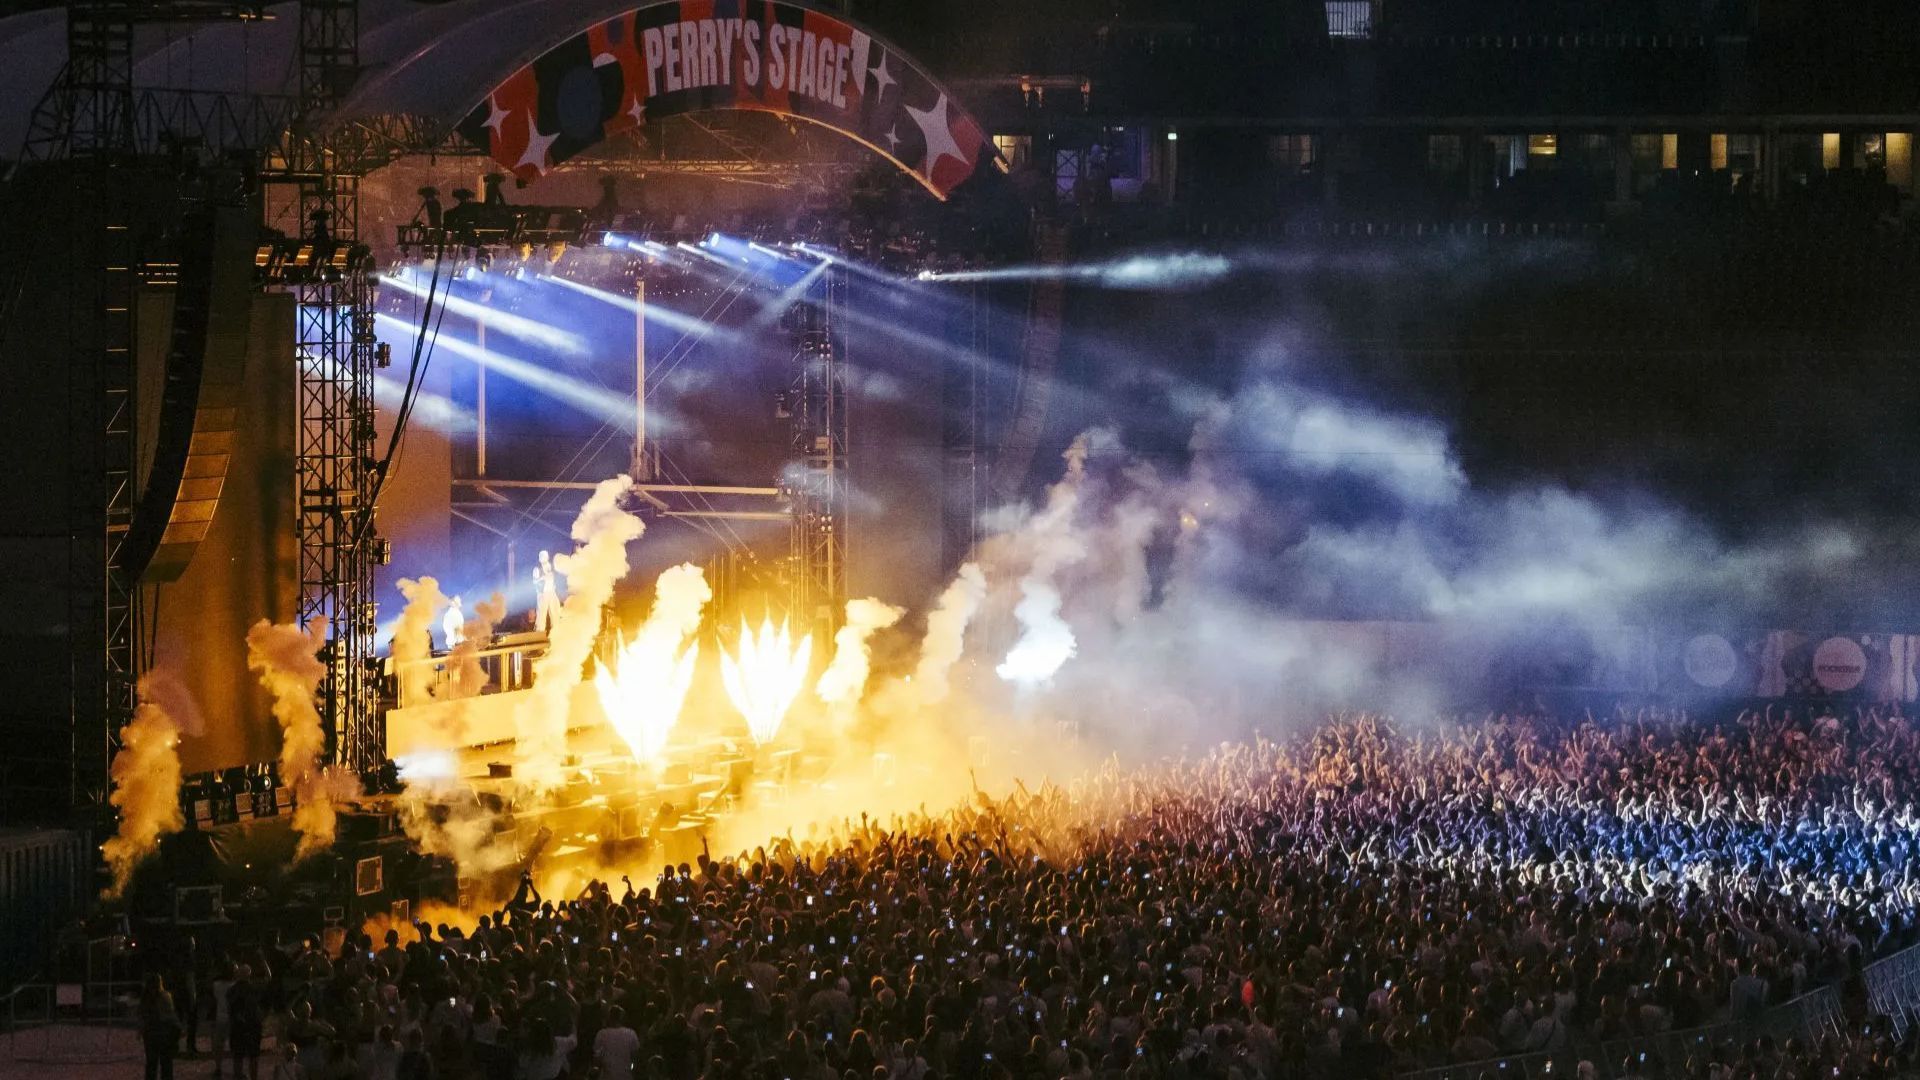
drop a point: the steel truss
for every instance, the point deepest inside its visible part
(105, 591)
(816, 477)
(335, 470)
(87, 117)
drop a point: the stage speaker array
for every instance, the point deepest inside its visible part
(200, 401)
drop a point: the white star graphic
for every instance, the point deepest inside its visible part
(537, 145)
(638, 112)
(496, 116)
(883, 77)
(893, 137)
(938, 132)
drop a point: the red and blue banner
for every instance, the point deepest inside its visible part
(685, 56)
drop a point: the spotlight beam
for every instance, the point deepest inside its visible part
(655, 312)
(517, 326)
(611, 408)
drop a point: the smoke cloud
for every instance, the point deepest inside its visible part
(447, 820)
(945, 640)
(413, 639)
(286, 656)
(846, 677)
(146, 780)
(602, 530)
(469, 679)
(1046, 641)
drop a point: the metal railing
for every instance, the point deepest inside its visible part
(1893, 991)
(1893, 988)
(73, 1023)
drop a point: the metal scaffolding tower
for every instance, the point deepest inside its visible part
(335, 350)
(87, 125)
(816, 476)
(87, 119)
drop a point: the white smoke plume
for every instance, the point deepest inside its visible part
(946, 634)
(286, 656)
(643, 696)
(602, 530)
(1046, 641)
(146, 780)
(468, 678)
(316, 814)
(413, 639)
(444, 819)
(1134, 522)
(846, 677)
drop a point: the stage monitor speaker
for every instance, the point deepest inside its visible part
(201, 397)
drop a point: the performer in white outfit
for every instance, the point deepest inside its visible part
(454, 624)
(549, 593)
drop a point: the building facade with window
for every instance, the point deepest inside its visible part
(1449, 110)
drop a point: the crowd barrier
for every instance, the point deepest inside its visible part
(1893, 988)
(1893, 992)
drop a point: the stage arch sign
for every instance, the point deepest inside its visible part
(684, 56)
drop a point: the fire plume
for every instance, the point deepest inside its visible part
(643, 690)
(766, 676)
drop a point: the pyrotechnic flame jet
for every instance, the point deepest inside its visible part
(644, 692)
(766, 677)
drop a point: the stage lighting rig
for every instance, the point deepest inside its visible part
(477, 227)
(279, 259)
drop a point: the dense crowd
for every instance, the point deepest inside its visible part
(1357, 900)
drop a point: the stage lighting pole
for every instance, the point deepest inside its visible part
(642, 469)
(480, 388)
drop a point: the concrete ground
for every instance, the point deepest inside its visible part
(91, 1053)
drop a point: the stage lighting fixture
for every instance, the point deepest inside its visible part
(383, 355)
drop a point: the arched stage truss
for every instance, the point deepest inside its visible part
(609, 73)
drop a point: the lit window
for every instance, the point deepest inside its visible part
(1350, 19)
(1718, 152)
(1543, 145)
(1870, 151)
(1291, 153)
(1014, 150)
(1900, 160)
(1830, 150)
(1444, 154)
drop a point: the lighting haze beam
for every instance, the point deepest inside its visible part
(665, 316)
(505, 322)
(597, 402)
(1133, 272)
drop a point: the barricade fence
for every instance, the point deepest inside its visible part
(1893, 991)
(72, 1023)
